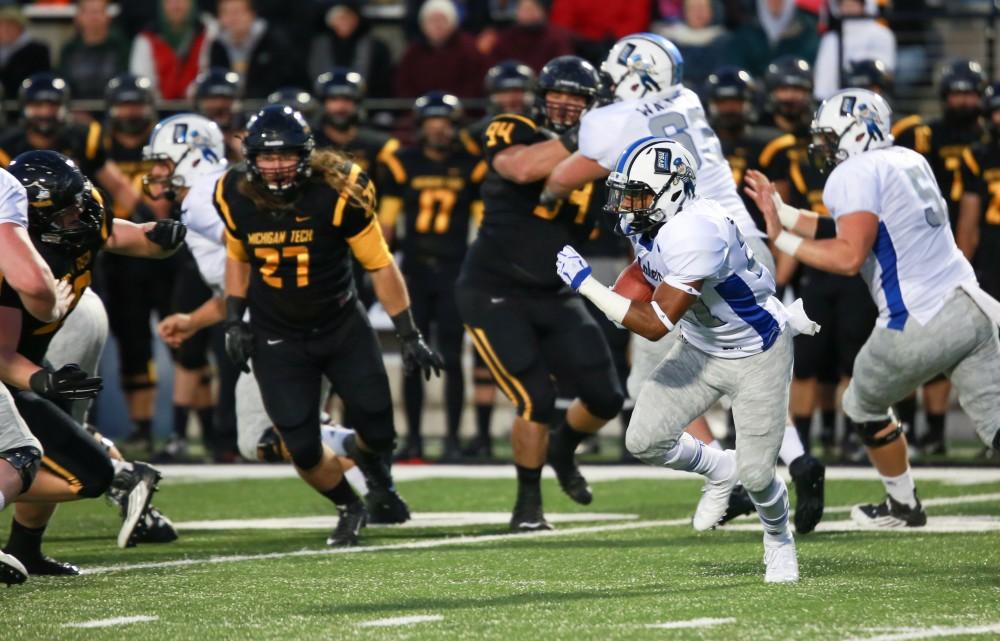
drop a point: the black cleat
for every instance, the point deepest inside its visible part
(563, 462)
(808, 474)
(412, 450)
(478, 448)
(386, 507)
(528, 515)
(888, 514)
(154, 527)
(132, 491)
(42, 565)
(739, 505)
(12, 571)
(353, 517)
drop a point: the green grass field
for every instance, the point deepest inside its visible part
(612, 579)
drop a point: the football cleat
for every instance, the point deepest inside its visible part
(386, 507)
(528, 515)
(353, 517)
(714, 500)
(563, 462)
(136, 486)
(780, 559)
(12, 571)
(478, 448)
(739, 505)
(889, 513)
(808, 474)
(42, 565)
(153, 527)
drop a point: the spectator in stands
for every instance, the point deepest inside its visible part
(96, 53)
(248, 45)
(531, 39)
(348, 42)
(20, 54)
(169, 52)
(703, 43)
(781, 29)
(599, 23)
(443, 58)
(864, 38)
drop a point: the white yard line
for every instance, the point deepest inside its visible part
(419, 520)
(107, 623)
(395, 621)
(933, 632)
(415, 545)
(935, 525)
(693, 623)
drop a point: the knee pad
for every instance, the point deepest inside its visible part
(605, 405)
(304, 447)
(756, 476)
(271, 448)
(867, 432)
(26, 461)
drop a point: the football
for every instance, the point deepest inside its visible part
(632, 284)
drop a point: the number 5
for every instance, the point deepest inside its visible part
(936, 212)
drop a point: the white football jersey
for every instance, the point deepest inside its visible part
(607, 131)
(13, 200)
(205, 230)
(737, 314)
(914, 264)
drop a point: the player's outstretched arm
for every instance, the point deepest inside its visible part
(570, 174)
(147, 240)
(177, 328)
(525, 164)
(25, 271)
(967, 228)
(800, 222)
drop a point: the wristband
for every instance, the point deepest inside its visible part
(613, 304)
(235, 308)
(788, 243)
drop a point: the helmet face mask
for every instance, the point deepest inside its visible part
(278, 147)
(44, 117)
(184, 147)
(510, 87)
(568, 86)
(563, 110)
(824, 151)
(653, 179)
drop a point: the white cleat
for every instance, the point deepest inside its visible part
(715, 499)
(12, 572)
(781, 560)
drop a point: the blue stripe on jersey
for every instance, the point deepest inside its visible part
(741, 300)
(625, 154)
(885, 253)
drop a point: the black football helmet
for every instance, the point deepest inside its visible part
(731, 83)
(962, 77)
(341, 82)
(278, 128)
(44, 87)
(217, 96)
(61, 208)
(572, 75)
(437, 104)
(298, 99)
(127, 88)
(790, 71)
(991, 104)
(510, 75)
(869, 74)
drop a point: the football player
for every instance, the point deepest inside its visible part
(890, 223)
(435, 186)
(217, 97)
(68, 223)
(645, 71)
(27, 274)
(736, 343)
(521, 318)
(510, 89)
(294, 218)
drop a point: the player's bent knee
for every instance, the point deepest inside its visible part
(878, 433)
(755, 476)
(96, 478)
(25, 461)
(304, 446)
(605, 405)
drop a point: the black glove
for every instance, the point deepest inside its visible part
(570, 138)
(417, 354)
(168, 234)
(239, 338)
(69, 383)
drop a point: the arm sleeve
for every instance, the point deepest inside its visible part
(13, 201)
(198, 212)
(508, 130)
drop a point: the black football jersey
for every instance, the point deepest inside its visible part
(75, 266)
(744, 153)
(787, 158)
(981, 176)
(129, 160)
(913, 133)
(515, 250)
(946, 149)
(300, 258)
(364, 149)
(436, 198)
(82, 143)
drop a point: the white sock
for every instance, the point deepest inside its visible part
(333, 437)
(3, 501)
(356, 480)
(691, 455)
(791, 445)
(772, 508)
(715, 445)
(901, 488)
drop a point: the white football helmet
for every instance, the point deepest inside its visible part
(849, 122)
(652, 180)
(193, 143)
(643, 65)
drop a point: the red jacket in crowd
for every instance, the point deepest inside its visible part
(456, 67)
(533, 46)
(602, 19)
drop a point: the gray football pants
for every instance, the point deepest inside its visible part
(688, 381)
(960, 341)
(81, 340)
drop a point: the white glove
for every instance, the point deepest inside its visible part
(572, 267)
